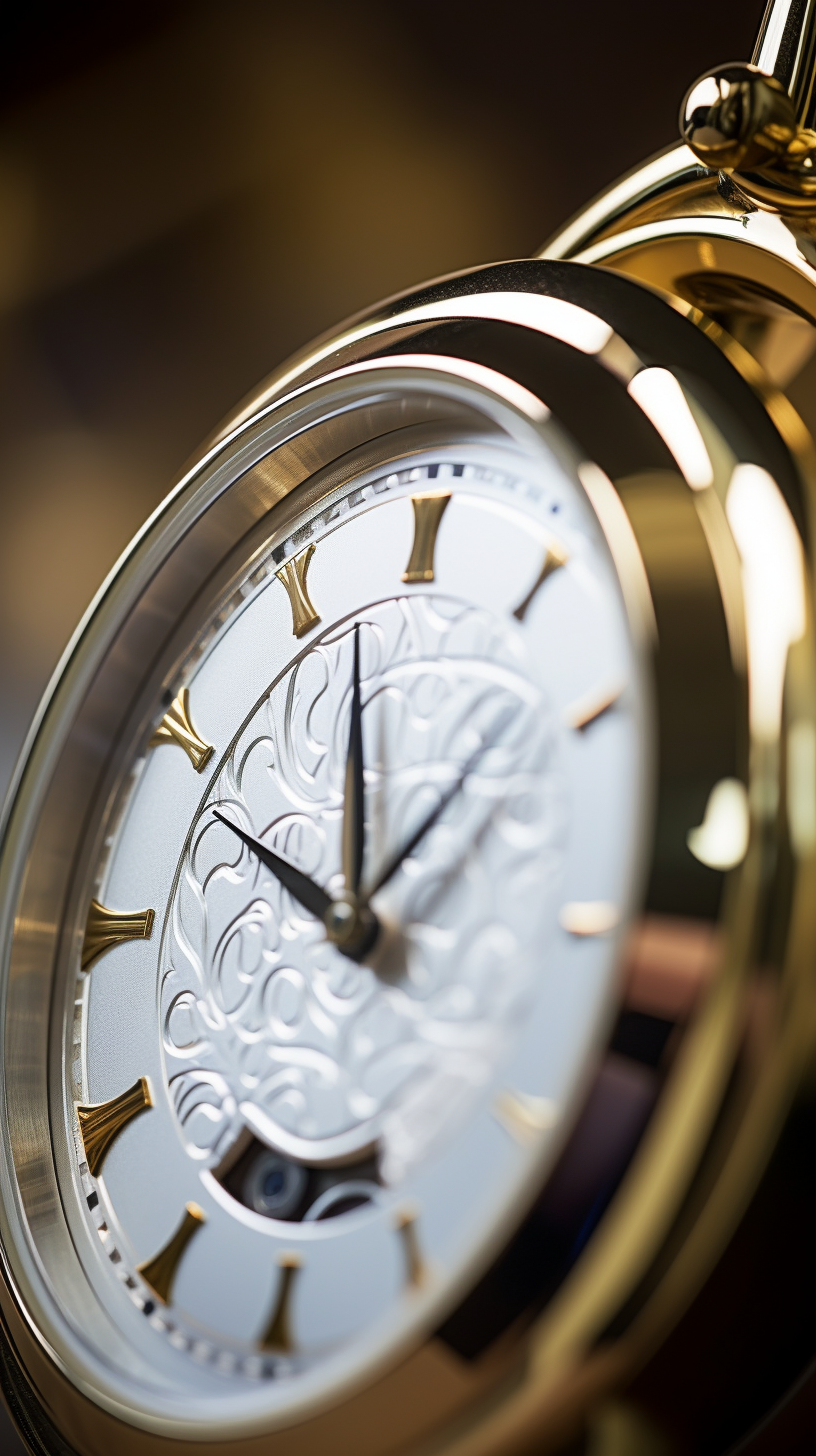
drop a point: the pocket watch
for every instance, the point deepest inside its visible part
(407, 894)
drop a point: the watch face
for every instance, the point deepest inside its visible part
(290, 1152)
(357, 809)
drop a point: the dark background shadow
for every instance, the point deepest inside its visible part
(189, 191)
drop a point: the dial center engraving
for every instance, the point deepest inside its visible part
(265, 1024)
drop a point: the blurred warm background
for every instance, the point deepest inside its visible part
(188, 191)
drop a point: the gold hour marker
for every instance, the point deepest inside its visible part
(278, 1334)
(101, 1124)
(176, 727)
(428, 513)
(555, 556)
(523, 1116)
(588, 710)
(406, 1225)
(160, 1271)
(589, 917)
(293, 577)
(105, 928)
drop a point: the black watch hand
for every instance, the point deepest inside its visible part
(354, 791)
(305, 891)
(428, 823)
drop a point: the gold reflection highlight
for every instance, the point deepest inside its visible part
(722, 839)
(773, 585)
(662, 399)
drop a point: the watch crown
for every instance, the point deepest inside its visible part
(735, 117)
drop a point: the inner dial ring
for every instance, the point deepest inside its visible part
(424, 1086)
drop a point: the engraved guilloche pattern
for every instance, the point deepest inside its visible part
(265, 1023)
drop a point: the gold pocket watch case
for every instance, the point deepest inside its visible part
(408, 889)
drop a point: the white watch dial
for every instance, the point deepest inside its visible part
(292, 1157)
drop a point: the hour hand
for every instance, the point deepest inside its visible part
(308, 894)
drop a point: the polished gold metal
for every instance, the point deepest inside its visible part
(721, 840)
(293, 578)
(278, 1334)
(756, 122)
(176, 727)
(429, 509)
(160, 1271)
(523, 1116)
(555, 556)
(100, 1124)
(588, 917)
(746, 279)
(106, 928)
(416, 1272)
(748, 122)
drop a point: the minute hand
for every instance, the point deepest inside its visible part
(428, 823)
(305, 891)
(354, 789)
